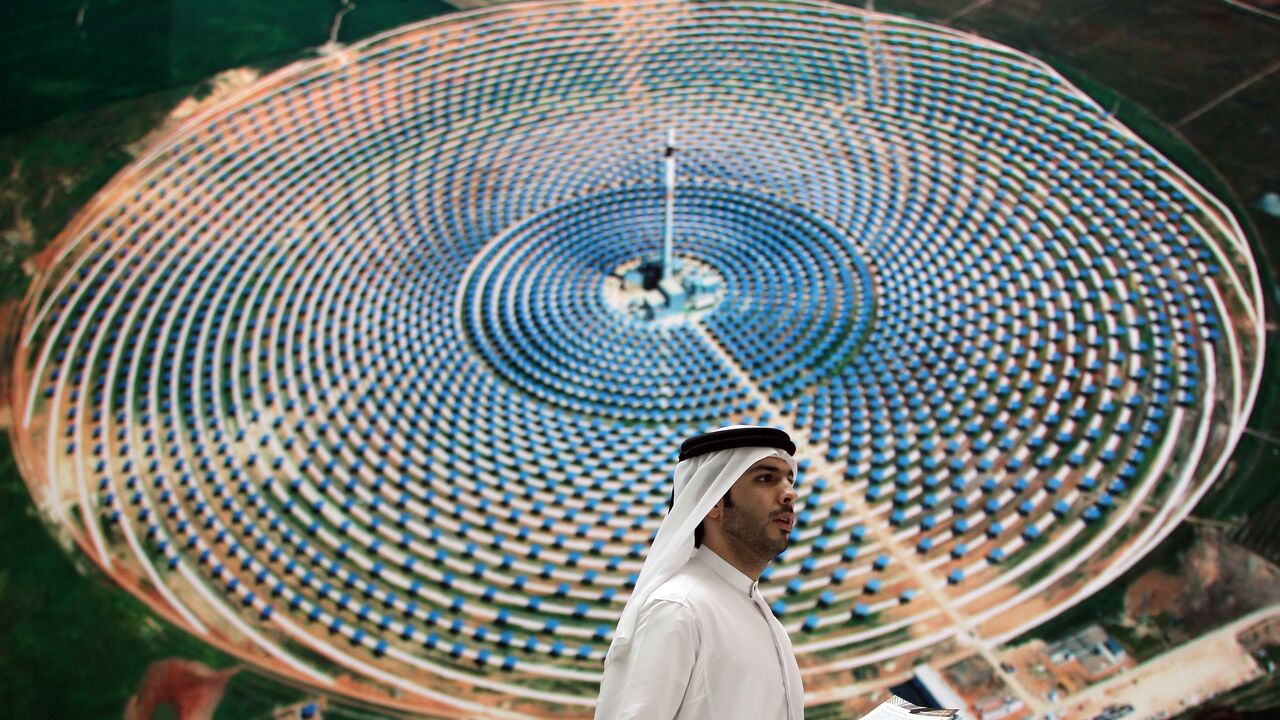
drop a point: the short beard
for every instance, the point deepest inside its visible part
(753, 540)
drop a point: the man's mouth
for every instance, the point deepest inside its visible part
(786, 521)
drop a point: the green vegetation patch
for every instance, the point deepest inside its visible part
(1247, 483)
(60, 56)
(371, 18)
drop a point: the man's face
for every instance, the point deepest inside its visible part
(762, 516)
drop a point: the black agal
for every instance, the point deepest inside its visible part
(739, 437)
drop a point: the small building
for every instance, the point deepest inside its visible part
(998, 707)
(1096, 651)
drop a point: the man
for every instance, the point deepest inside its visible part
(696, 639)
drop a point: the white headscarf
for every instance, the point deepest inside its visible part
(700, 482)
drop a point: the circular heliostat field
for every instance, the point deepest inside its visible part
(332, 377)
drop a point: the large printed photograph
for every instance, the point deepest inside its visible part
(349, 349)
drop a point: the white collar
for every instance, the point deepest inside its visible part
(727, 572)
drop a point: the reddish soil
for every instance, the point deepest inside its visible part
(1153, 594)
(191, 688)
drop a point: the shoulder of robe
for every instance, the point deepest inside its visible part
(679, 588)
(669, 618)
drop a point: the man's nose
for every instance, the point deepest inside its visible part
(789, 494)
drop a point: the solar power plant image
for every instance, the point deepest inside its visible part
(354, 375)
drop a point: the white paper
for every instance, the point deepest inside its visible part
(895, 708)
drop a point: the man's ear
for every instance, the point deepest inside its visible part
(716, 510)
